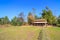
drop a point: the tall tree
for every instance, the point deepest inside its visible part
(1, 21)
(36, 17)
(48, 15)
(21, 17)
(6, 20)
(14, 21)
(30, 18)
(58, 19)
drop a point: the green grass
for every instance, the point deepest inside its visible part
(28, 33)
(19, 33)
(53, 33)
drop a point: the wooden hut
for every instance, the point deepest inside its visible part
(39, 22)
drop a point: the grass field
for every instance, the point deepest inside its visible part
(19, 33)
(29, 33)
(53, 33)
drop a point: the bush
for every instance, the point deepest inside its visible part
(19, 23)
(13, 23)
(58, 25)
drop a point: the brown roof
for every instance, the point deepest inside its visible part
(40, 21)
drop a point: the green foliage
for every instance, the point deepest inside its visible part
(58, 21)
(47, 14)
(1, 20)
(58, 25)
(4, 20)
(19, 23)
(15, 21)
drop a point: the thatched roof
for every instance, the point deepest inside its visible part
(40, 21)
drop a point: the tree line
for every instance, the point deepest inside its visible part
(16, 21)
(46, 14)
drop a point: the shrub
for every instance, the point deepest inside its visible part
(19, 23)
(58, 25)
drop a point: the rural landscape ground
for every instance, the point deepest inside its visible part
(29, 19)
(29, 33)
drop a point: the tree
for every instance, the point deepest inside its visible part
(30, 18)
(58, 21)
(4, 20)
(14, 21)
(44, 14)
(36, 17)
(1, 21)
(48, 15)
(21, 17)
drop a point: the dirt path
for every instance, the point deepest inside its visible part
(30, 35)
(43, 35)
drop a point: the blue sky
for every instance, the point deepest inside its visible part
(12, 8)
